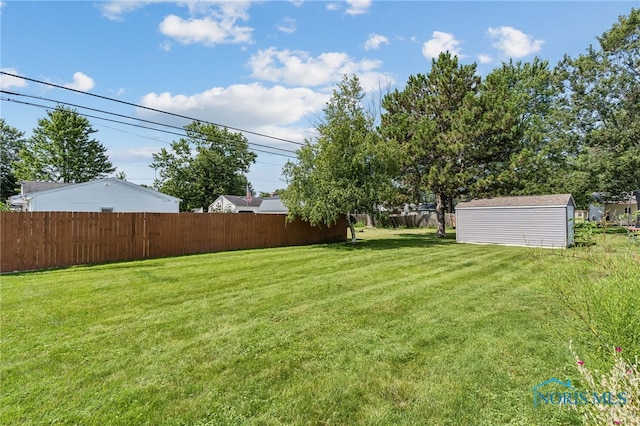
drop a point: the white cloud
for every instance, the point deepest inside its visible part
(358, 7)
(205, 30)
(441, 42)
(115, 10)
(245, 106)
(513, 42)
(375, 41)
(81, 82)
(484, 58)
(210, 23)
(7, 81)
(287, 25)
(354, 7)
(299, 68)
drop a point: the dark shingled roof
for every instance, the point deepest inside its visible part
(30, 186)
(240, 201)
(520, 201)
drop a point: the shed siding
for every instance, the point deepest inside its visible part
(570, 224)
(518, 226)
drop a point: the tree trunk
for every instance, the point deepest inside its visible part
(371, 217)
(351, 219)
(353, 232)
(440, 201)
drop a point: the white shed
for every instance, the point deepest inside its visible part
(102, 195)
(531, 221)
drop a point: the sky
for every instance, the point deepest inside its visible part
(263, 68)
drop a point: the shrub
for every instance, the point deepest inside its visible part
(585, 234)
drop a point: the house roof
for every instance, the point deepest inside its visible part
(106, 181)
(240, 201)
(273, 205)
(31, 186)
(551, 200)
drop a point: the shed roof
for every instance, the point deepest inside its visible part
(550, 200)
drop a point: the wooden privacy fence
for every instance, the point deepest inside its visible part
(39, 240)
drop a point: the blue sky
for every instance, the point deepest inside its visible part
(264, 67)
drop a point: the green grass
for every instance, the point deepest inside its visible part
(402, 329)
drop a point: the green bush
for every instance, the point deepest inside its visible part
(585, 233)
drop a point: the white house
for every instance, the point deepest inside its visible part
(531, 221)
(102, 195)
(622, 212)
(235, 204)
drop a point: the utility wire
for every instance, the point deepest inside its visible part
(123, 116)
(147, 108)
(132, 124)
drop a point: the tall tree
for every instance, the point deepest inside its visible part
(11, 142)
(432, 119)
(601, 105)
(61, 149)
(513, 153)
(349, 167)
(210, 161)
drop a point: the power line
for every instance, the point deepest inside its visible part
(131, 124)
(147, 108)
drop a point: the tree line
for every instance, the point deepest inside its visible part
(525, 128)
(450, 134)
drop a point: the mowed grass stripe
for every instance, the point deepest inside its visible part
(401, 329)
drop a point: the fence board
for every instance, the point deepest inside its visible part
(39, 240)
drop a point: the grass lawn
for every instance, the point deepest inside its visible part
(402, 329)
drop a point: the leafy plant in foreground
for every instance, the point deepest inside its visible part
(623, 379)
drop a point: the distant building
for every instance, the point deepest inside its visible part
(101, 195)
(272, 205)
(530, 221)
(235, 204)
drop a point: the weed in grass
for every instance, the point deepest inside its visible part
(621, 383)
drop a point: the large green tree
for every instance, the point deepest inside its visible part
(61, 149)
(349, 167)
(433, 121)
(210, 161)
(601, 112)
(11, 142)
(512, 152)
(466, 137)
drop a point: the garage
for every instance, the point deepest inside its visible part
(529, 221)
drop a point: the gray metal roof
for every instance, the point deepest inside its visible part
(41, 187)
(272, 205)
(551, 200)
